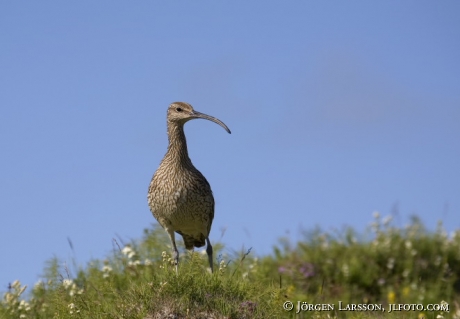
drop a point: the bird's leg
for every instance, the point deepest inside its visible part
(175, 251)
(209, 252)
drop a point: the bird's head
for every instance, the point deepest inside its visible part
(181, 112)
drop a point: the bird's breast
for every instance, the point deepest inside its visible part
(178, 189)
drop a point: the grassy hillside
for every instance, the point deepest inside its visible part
(324, 276)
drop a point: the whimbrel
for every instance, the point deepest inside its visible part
(179, 196)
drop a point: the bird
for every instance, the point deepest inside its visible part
(179, 196)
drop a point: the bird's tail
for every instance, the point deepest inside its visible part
(191, 241)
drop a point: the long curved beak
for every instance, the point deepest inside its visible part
(198, 115)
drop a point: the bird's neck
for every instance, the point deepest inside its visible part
(177, 148)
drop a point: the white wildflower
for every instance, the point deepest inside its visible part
(445, 305)
(71, 287)
(134, 263)
(345, 270)
(24, 305)
(107, 268)
(106, 271)
(408, 244)
(390, 263)
(128, 252)
(222, 266)
(73, 308)
(16, 284)
(67, 283)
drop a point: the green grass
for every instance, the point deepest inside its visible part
(386, 265)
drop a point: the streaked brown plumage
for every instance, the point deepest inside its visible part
(179, 196)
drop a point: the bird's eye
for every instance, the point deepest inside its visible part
(178, 109)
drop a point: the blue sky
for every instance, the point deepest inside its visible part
(337, 110)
